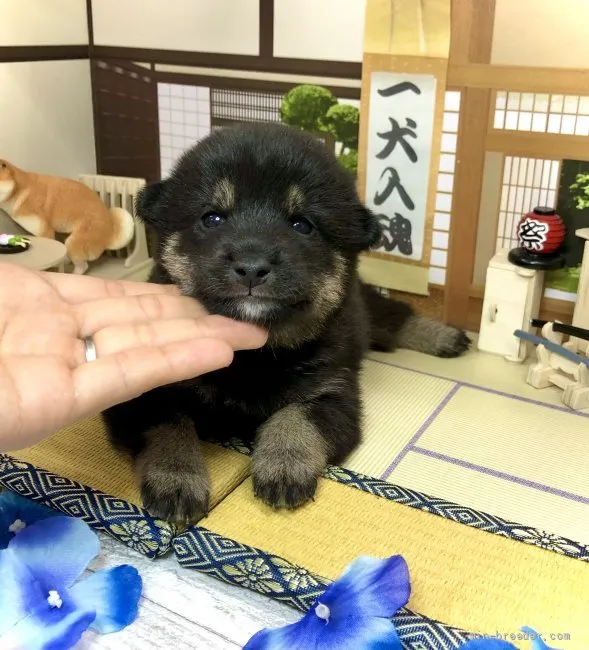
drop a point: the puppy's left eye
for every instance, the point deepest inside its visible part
(302, 226)
(213, 220)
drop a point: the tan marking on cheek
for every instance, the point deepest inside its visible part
(224, 195)
(177, 264)
(295, 199)
(328, 295)
(330, 291)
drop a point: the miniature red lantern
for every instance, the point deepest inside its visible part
(541, 234)
(541, 231)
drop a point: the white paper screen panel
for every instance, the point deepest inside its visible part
(222, 26)
(444, 189)
(46, 109)
(43, 22)
(331, 30)
(543, 33)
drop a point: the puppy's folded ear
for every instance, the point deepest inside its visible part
(149, 202)
(371, 231)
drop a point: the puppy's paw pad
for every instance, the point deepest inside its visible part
(452, 342)
(179, 497)
(284, 486)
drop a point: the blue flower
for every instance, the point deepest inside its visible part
(354, 613)
(498, 644)
(42, 607)
(17, 513)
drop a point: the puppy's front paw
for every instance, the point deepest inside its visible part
(283, 483)
(289, 457)
(172, 473)
(178, 496)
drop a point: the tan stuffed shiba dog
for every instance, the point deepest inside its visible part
(44, 205)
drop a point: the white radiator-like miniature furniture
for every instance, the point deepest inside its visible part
(133, 260)
(512, 298)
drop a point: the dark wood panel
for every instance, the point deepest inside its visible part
(232, 83)
(315, 67)
(126, 119)
(266, 47)
(14, 53)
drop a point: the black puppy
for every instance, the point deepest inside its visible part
(262, 224)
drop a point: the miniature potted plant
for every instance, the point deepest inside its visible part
(574, 208)
(315, 109)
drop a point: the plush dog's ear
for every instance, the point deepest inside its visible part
(149, 201)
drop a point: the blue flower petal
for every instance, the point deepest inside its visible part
(19, 590)
(537, 641)
(56, 550)
(354, 612)
(113, 593)
(34, 633)
(17, 512)
(370, 587)
(313, 633)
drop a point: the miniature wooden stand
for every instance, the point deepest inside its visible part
(566, 365)
(569, 372)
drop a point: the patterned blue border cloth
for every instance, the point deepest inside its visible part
(446, 509)
(122, 520)
(273, 576)
(460, 514)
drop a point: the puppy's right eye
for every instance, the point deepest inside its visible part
(213, 220)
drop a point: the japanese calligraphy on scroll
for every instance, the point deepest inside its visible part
(400, 131)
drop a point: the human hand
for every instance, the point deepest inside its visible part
(146, 335)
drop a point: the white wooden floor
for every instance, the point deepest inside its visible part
(182, 608)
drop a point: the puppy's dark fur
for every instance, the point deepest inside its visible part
(260, 223)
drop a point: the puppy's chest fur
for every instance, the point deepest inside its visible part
(260, 382)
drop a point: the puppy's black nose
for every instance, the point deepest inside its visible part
(252, 271)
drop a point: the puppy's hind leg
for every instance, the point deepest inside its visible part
(394, 324)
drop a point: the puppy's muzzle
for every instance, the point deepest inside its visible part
(251, 270)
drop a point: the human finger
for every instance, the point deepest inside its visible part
(81, 288)
(117, 339)
(118, 378)
(97, 314)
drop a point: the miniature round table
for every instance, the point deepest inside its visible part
(43, 254)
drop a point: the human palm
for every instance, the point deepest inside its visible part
(146, 335)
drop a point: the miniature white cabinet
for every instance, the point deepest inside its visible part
(512, 298)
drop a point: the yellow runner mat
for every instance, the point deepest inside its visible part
(463, 576)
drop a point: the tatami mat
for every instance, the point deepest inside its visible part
(525, 441)
(389, 424)
(462, 576)
(83, 453)
(483, 492)
(478, 368)
(510, 455)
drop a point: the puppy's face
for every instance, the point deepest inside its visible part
(6, 180)
(260, 223)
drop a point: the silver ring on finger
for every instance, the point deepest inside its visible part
(89, 349)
